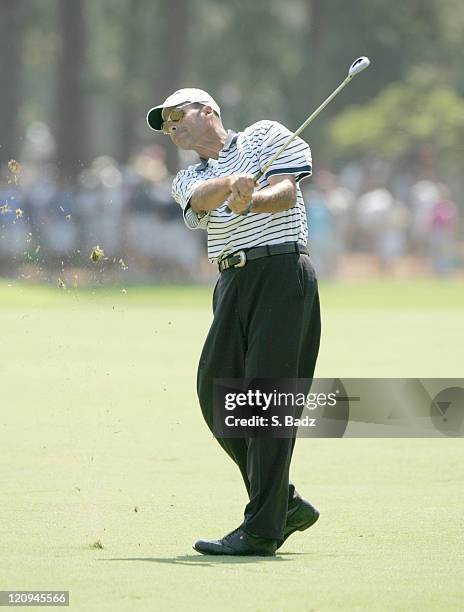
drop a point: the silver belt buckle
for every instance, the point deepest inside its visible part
(242, 261)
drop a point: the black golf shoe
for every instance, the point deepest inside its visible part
(303, 516)
(238, 543)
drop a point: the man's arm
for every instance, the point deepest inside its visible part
(210, 194)
(238, 189)
(279, 196)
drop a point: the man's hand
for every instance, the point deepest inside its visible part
(241, 190)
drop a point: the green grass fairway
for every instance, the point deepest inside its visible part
(102, 440)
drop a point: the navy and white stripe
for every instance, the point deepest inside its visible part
(248, 151)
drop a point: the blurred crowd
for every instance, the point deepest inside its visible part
(391, 215)
(364, 208)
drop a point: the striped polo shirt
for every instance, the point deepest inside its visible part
(248, 151)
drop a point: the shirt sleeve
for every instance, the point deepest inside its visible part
(296, 159)
(183, 186)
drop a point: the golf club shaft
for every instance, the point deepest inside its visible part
(303, 126)
(356, 67)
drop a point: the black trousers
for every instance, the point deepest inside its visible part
(266, 325)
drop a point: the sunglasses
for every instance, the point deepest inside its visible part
(174, 116)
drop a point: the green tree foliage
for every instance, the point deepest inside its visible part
(280, 60)
(260, 59)
(244, 53)
(124, 62)
(400, 122)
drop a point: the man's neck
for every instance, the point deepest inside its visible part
(212, 145)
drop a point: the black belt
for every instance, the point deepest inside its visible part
(239, 259)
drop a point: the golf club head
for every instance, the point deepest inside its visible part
(358, 66)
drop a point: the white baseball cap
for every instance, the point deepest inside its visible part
(181, 96)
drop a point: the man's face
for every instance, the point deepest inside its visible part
(189, 131)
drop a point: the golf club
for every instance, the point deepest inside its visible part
(356, 67)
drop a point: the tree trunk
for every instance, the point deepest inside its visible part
(72, 116)
(176, 51)
(12, 13)
(314, 34)
(127, 119)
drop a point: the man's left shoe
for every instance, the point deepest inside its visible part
(238, 543)
(299, 518)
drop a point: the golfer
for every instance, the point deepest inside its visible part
(266, 306)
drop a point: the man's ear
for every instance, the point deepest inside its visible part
(208, 110)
